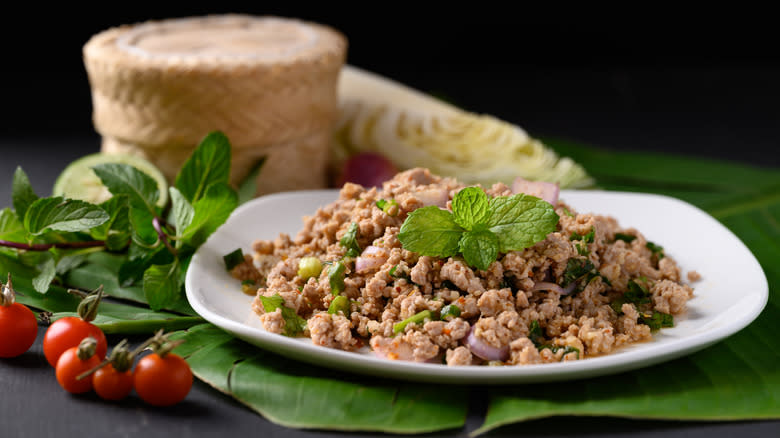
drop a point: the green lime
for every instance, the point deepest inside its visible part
(78, 180)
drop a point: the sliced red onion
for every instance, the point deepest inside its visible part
(437, 197)
(541, 189)
(371, 258)
(484, 350)
(546, 285)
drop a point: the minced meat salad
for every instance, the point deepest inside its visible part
(429, 270)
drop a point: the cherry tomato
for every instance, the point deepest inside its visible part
(67, 332)
(73, 362)
(18, 329)
(162, 381)
(18, 326)
(111, 384)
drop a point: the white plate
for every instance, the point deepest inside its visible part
(724, 303)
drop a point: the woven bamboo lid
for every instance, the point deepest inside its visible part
(269, 83)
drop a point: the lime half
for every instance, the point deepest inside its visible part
(79, 181)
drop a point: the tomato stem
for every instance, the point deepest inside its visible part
(88, 307)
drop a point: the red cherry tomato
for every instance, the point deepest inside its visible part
(70, 366)
(68, 332)
(111, 384)
(368, 169)
(162, 381)
(18, 329)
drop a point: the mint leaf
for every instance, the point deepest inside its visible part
(11, 228)
(431, 231)
(22, 193)
(248, 188)
(123, 179)
(141, 220)
(520, 221)
(211, 211)
(116, 231)
(479, 248)
(657, 250)
(209, 164)
(349, 241)
(46, 272)
(336, 277)
(656, 320)
(62, 214)
(182, 211)
(233, 259)
(161, 285)
(470, 207)
(293, 324)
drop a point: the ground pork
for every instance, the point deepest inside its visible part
(395, 305)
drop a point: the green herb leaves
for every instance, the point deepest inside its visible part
(478, 227)
(293, 324)
(159, 240)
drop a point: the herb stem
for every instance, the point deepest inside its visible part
(48, 246)
(158, 226)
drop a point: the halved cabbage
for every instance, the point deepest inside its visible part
(413, 129)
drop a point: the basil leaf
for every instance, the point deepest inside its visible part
(430, 231)
(116, 231)
(349, 241)
(209, 164)
(211, 211)
(520, 221)
(62, 214)
(248, 188)
(124, 179)
(470, 207)
(161, 285)
(46, 272)
(182, 211)
(479, 248)
(293, 324)
(22, 193)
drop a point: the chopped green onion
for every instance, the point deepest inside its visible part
(339, 304)
(233, 259)
(389, 207)
(309, 267)
(416, 318)
(450, 310)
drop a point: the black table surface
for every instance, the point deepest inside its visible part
(722, 110)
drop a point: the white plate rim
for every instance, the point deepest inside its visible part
(629, 359)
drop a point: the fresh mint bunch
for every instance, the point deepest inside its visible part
(478, 227)
(55, 235)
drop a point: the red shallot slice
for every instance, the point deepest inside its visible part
(484, 350)
(541, 189)
(371, 258)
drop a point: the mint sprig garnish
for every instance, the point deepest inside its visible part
(52, 235)
(478, 227)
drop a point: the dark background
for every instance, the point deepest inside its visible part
(704, 83)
